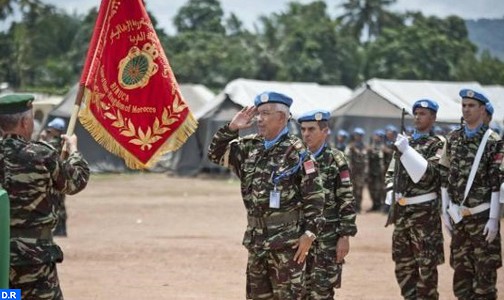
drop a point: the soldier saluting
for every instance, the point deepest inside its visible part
(282, 192)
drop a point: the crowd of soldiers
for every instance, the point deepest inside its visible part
(371, 160)
(302, 197)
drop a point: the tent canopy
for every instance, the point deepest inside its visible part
(306, 95)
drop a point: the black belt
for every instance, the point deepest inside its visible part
(42, 232)
(278, 219)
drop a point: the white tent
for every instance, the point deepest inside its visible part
(241, 92)
(379, 102)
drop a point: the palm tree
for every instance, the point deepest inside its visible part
(368, 15)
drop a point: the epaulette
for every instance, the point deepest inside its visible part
(46, 145)
(339, 157)
(495, 136)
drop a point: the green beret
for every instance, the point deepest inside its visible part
(15, 103)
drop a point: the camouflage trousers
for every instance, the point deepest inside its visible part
(376, 190)
(37, 282)
(475, 261)
(358, 188)
(323, 274)
(417, 249)
(274, 274)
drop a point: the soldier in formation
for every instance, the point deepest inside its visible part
(341, 140)
(471, 182)
(31, 172)
(282, 193)
(413, 184)
(325, 261)
(356, 151)
(52, 135)
(376, 173)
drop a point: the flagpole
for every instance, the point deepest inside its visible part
(73, 119)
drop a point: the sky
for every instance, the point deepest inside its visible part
(248, 11)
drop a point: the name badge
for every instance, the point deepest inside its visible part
(454, 212)
(274, 201)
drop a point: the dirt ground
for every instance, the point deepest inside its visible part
(150, 236)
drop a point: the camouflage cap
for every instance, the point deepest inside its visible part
(15, 103)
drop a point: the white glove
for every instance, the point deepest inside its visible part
(388, 198)
(491, 229)
(401, 143)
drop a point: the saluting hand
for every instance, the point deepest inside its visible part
(243, 119)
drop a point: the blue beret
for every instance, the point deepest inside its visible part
(57, 123)
(379, 132)
(272, 97)
(359, 131)
(489, 108)
(471, 94)
(391, 128)
(342, 132)
(15, 103)
(315, 115)
(426, 103)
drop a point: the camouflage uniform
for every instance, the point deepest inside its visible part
(376, 175)
(323, 274)
(475, 261)
(357, 156)
(271, 232)
(417, 240)
(59, 198)
(31, 173)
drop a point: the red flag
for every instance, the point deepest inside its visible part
(133, 105)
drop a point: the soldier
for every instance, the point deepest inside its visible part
(325, 261)
(356, 152)
(341, 140)
(282, 192)
(470, 196)
(417, 240)
(376, 174)
(390, 137)
(52, 135)
(31, 172)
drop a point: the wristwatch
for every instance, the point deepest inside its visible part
(310, 234)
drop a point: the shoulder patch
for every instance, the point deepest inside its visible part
(45, 144)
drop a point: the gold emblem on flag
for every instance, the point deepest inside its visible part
(402, 201)
(138, 66)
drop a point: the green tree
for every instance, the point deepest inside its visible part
(200, 15)
(303, 44)
(368, 17)
(428, 49)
